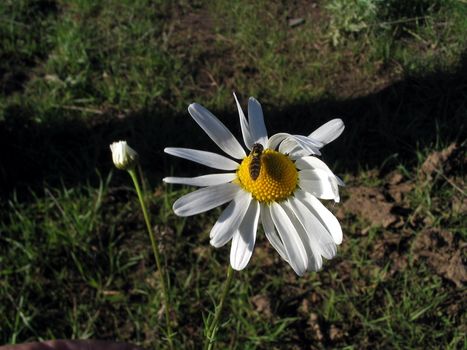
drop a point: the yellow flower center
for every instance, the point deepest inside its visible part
(277, 179)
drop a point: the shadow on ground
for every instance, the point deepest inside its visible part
(382, 129)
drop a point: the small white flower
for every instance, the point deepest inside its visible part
(123, 156)
(283, 197)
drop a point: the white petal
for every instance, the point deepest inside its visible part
(209, 159)
(304, 148)
(311, 163)
(303, 143)
(340, 182)
(244, 238)
(205, 180)
(288, 145)
(307, 143)
(230, 219)
(315, 163)
(315, 261)
(296, 253)
(244, 125)
(322, 213)
(217, 131)
(276, 139)
(298, 152)
(270, 231)
(205, 199)
(318, 183)
(335, 189)
(328, 132)
(318, 235)
(256, 120)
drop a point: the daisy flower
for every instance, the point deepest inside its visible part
(277, 184)
(123, 156)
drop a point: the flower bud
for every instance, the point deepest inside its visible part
(123, 156)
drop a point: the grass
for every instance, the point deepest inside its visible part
(75, 261)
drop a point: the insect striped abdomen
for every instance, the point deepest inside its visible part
(255, 165)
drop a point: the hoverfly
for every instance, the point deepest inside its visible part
(255, 165)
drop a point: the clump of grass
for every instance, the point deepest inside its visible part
(57, 251)
(350, 19)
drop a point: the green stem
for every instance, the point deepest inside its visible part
(212, 330)
(157, 256)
